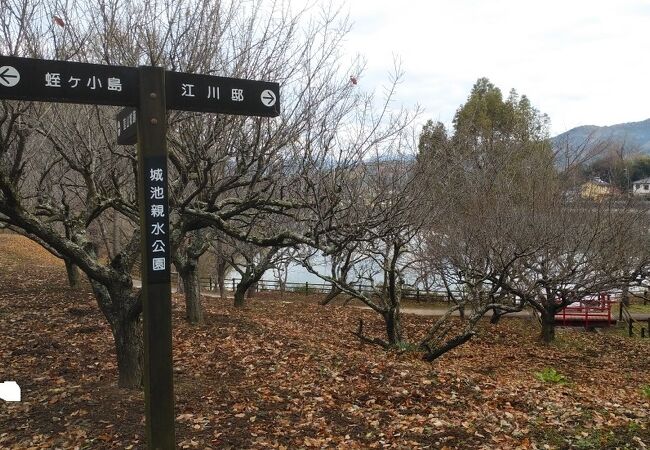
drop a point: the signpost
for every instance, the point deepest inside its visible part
(151, 90)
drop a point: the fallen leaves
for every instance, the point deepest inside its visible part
(287, 375)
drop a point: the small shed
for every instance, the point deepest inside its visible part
(597, 189)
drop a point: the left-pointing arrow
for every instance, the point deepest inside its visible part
(9, 76)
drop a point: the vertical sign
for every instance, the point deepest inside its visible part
(127, 131)
(157, 220)
(154, 232)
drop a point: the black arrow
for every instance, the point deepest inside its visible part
(5, 77)
(269, 97)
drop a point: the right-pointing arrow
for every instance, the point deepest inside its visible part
(268, 97)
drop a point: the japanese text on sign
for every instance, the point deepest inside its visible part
(156, 212)
(53, 80)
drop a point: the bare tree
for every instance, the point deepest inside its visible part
(220, 252)
(383, 212)
(224, 171)
(251, 263)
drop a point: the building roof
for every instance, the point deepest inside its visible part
(598, 181)
(642, 181)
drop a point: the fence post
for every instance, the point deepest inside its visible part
(417, 294)
(306, 288)
(233, 285)
(630, 331)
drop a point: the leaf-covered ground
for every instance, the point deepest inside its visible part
(286, 373)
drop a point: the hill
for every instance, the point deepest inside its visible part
(635, 136)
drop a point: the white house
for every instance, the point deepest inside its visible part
(641, 187)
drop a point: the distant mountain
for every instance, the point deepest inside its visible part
(635, 135)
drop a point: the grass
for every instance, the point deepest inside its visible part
(639, 308)
(645, 390)
(621, 330)
(550, 375)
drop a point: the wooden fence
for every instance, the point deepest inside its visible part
(631, 324)
(307, 288)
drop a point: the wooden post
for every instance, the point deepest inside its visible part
(630, 331)
(233, 285)
(306, 288)
(156, 281)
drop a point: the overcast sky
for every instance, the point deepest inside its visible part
(583, 62)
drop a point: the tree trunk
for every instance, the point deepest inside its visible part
(496, 316)
(548, 326)
(221, 281)
(331, 295)
(247, 284)
(240, 295)
(192, 288)
(127, 331)
(250, 292)
(73, 274)
(433, 354)
(393, 326)
(128, 335)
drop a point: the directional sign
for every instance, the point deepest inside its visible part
(127, 126)
(206, 93)
(67, 82)
(9, 76)
(72, 82)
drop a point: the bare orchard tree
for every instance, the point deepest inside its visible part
(342, 262)
(514, 239)
(251, 263)
(497, 165)
(67, 188)
(220, 251)
(383, 212)
(282, 268)
(588, 248)
(223, 175)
